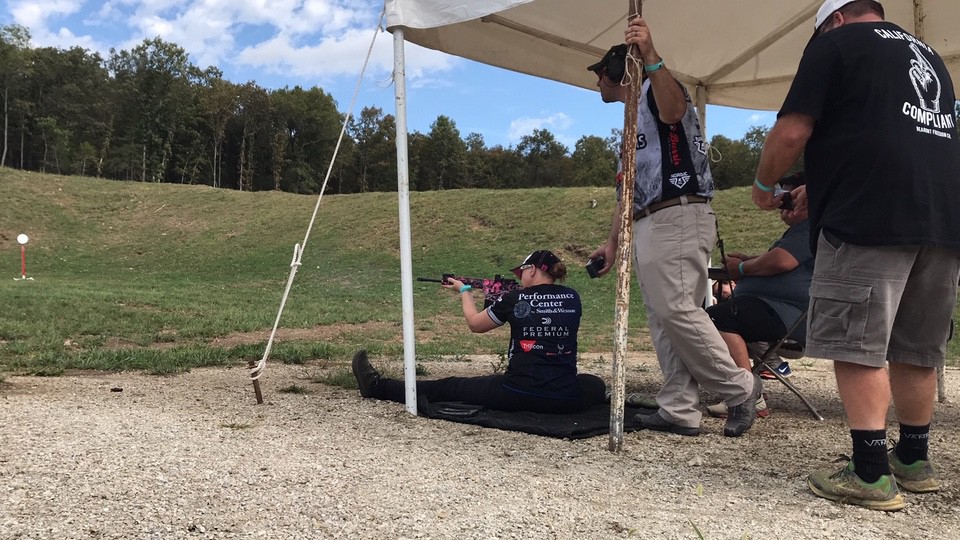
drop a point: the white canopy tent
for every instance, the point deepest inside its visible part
(738, 53)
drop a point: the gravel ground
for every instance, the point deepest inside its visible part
(192, 456)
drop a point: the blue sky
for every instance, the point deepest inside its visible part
(323, 43)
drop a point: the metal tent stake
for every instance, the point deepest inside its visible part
(256, 383)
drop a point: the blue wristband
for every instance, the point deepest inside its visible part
(653, 67)
(740, 268)
(761, 186)
(465, 288)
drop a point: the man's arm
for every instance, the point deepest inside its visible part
(770, 263)
(671, 101)
(609, 248)
(783, 147)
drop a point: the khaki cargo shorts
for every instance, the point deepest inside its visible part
(873, 304)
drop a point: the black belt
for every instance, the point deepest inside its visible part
(657, 206)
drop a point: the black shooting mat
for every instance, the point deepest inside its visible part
(589, 423)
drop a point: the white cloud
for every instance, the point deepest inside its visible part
(208, 39)
(31, 14)
(292, 18)
(759, 119)
(66, 39)
(525, 125)
(424, 83)
(311, 40)
(35, 16)
(343, 55)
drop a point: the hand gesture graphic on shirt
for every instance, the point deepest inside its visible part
(925, 81)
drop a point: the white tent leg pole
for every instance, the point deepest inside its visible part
(701, 96)
(403, 195)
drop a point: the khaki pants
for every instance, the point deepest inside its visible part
(671, 251)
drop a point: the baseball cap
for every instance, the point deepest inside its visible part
(615, 61)
(543, 259)
(827, 9)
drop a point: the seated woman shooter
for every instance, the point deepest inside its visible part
(541, 374)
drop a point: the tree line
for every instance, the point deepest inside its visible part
(150, 115)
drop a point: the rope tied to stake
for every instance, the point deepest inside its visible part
(257, 370)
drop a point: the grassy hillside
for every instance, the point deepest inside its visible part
(165, 277)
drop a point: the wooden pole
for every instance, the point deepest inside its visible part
(624, 248)
(918, 30)
(941, 386)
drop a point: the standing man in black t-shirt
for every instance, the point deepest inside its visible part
(872, 106)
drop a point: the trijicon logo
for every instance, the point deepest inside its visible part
(527, 344)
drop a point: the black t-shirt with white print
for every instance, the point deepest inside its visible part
(883, 162)
(542, 355)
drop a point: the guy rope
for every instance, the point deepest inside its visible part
(257, 368)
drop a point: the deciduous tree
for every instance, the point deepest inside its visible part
(374, 135)
(156, 80)
(445, 156)
(736, 165)
(594, 163)
(14, 68)
(546, 162)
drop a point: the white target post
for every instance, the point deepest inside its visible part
(22, 239)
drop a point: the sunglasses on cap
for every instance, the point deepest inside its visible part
(519, 270)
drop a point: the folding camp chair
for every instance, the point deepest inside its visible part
(764, 361)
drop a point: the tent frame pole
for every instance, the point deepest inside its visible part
(403, 194)
(701, 96)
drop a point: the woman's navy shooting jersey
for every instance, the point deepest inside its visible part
(542, 355)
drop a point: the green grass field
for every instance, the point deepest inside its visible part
(163, 278)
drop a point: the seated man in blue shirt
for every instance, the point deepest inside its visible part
(772, 292)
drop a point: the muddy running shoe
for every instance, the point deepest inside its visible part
(918, 477)
(783, 369)
(741, 417)
(367, 377)
(844, 486)
(720, 409)
(656, 422)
